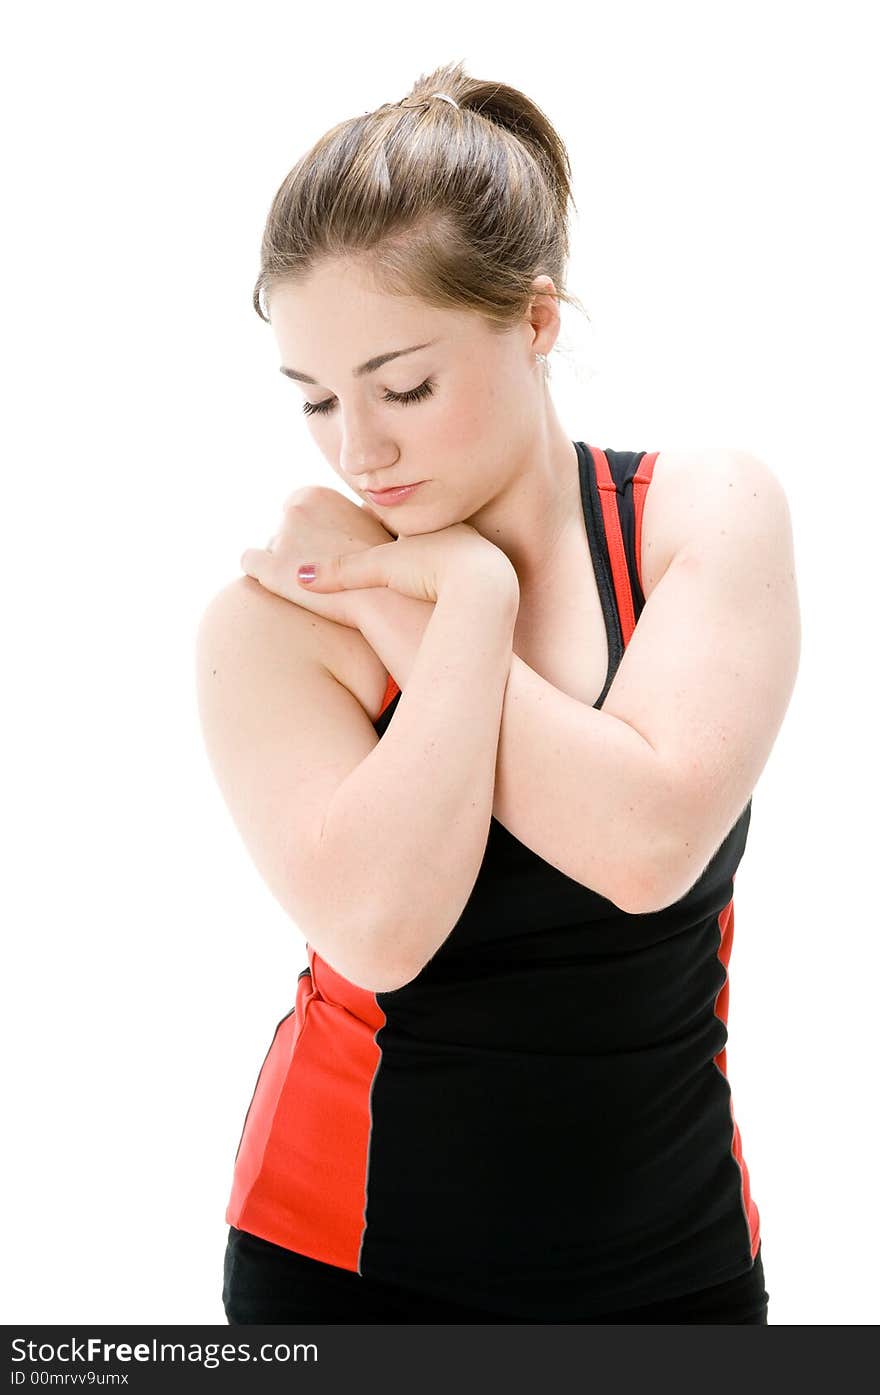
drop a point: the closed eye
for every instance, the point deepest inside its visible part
(414, 395)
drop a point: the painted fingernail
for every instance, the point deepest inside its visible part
(307, 572)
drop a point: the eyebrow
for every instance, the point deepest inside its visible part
(363, 369)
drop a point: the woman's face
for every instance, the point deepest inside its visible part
(475, 396)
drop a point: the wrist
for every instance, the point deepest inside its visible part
(393, 626)
(488, 582)
(380, 603)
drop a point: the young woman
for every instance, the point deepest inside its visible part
(501, 1092)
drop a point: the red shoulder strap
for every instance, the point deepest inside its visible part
(614, 542)
(613, 535)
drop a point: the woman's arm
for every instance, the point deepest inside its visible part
(634, 799)
(529, 799)
(397, 838)
(407, 829)
(370, 846)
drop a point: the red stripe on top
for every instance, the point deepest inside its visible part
(300, 1175)
(613, 535)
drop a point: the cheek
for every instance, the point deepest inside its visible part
(472, 438)
(466, 422)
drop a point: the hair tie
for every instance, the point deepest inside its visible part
(422, 103)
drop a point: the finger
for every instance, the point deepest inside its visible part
(347, 571)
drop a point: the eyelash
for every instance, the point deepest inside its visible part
(416, 395)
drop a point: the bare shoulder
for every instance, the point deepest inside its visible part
(244, 604)
(699, 490)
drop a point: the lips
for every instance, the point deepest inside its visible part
(390, 498)
(391, 488)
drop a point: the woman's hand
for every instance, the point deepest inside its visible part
(317, 521)
(418, 565)
(355, 553)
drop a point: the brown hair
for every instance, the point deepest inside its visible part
(459, 208)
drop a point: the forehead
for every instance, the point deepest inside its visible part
(338, 317)
(342, 293)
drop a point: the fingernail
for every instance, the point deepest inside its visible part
(307, 572)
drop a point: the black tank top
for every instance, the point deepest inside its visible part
(540, 1123)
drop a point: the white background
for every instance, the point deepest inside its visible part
(725, 248)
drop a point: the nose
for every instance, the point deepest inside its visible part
(364, 459)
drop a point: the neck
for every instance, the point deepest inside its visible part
(531, 516)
